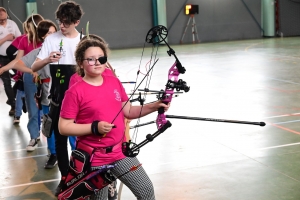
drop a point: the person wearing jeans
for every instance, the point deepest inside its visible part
(33, 111)
(28, 43)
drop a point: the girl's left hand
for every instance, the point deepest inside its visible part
(165, 106)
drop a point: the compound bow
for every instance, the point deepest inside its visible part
(157, 35)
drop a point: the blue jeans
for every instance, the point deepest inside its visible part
(19, 102)
(33, 111)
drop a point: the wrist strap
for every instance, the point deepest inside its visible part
(94, 128)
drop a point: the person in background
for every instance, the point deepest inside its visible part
(9, 31)
(58, 51)
(27, 43)
(44, 28)
(18, 77)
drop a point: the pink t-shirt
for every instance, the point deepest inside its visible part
(86, 103)
(25, 46)
(76, 78)
(16, 41)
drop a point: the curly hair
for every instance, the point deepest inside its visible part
(43, 28)
(83, 45)
(69, 11)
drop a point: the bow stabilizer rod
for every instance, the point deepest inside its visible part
(203, 119)
(216, 120)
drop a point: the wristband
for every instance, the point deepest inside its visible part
(94, 128)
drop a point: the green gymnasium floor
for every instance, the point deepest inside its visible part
(253, 80)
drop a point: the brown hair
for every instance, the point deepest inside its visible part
(84, 44)
(43, 28)
(69, 11)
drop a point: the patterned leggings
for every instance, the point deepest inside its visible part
(137, 181)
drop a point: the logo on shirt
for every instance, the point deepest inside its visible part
(118, 97)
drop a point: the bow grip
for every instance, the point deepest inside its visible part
(161, 110)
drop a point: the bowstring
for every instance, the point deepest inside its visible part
(136, 86)
(147, 84)
(134, 135)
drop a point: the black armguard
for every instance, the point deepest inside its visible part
(94, 128)
(10, 51)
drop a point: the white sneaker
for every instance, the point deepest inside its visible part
(32, 145)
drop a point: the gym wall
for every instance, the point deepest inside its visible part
(124, 24)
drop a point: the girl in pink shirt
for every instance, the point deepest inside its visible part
(94, 102)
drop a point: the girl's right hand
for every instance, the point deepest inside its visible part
(54, 56)
(104, 127)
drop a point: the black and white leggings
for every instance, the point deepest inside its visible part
(137, 181)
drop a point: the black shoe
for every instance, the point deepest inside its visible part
(11, 103)
(52, 161)
(12, 111)
(59, 187)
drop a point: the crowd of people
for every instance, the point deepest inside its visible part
(77, 88)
